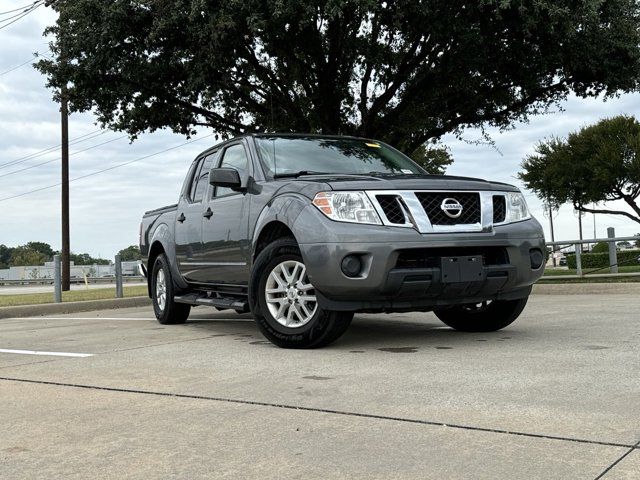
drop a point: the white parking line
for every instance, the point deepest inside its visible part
(52, 354)
(132, 319)
(81, 318)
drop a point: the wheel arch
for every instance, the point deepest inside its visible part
(273, 230)
(277, 220)
(162, 242)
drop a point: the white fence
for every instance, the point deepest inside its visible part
(611, 239)
(79, 272)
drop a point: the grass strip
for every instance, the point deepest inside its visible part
(549, 272)
(71, 296)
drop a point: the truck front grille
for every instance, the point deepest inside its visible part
(430, 257)
(499, 209)
(441, 211)
(392, 208)
(432, 203)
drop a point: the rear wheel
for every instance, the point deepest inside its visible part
(287, 310)
(487, 316)
(162, 292)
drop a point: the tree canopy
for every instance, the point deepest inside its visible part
(600, 247)
(131, 253)
(86, 259)
(402, 71)
(37, 253)
(433, 158)
(23, 255)
(599, 163)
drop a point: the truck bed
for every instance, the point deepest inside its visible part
(158, 211)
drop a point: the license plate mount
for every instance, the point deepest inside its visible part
(462, 269)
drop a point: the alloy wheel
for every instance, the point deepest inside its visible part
(161, 289)
(290, 296)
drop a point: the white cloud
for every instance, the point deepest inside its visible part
(106, 209)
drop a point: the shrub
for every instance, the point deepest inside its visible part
(601, 260)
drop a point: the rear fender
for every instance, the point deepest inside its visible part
(164, 236)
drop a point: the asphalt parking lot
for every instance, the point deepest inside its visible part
(554, 396)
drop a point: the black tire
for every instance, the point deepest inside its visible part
(170, 313)
(323, 328)
(484, 317)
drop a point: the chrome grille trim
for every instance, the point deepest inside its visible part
(417, 218)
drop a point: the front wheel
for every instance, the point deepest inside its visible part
(288, 313)
(162, 292)
(486, 316)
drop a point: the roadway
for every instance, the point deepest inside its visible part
(554, 396)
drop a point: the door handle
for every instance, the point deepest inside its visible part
(208, 213)
(182, 218)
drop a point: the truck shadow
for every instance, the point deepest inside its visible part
(387, 334)
(393, 333)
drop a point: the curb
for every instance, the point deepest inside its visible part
(72, 307)
(585, 288)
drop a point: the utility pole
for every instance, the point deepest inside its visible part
(66, 248)
(64, 152)
(580, 228)
(553, 237)
(593, 207)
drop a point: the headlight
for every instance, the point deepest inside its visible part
(352, 207)
(516, 207)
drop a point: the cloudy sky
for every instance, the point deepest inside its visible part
(106, 208)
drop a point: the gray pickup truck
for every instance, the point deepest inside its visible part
(305, 230)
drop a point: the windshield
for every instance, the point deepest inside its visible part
(289, 155)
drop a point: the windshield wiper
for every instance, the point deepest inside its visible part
(389, 174)
(297, 174)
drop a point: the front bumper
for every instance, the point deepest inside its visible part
(387, 283)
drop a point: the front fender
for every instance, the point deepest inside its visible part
(284, 209)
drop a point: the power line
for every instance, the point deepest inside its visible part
(50, 150)
(20, 15)
(74, 141)
(22, 8)
(57, 158)
(35, 55)
(106, 169)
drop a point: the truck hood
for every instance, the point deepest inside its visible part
(403, 182)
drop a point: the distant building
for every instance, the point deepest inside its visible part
(41, 272)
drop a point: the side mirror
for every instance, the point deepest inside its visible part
(225, 177)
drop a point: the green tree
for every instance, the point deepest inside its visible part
(130, 254)
(24, 256)
(402, 71)
(433, 158)
(5, 255)
(86, 259)
(43, 248)
(599, 163)
(600, 247)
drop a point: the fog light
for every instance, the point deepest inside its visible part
(537, 258)
(351, 265)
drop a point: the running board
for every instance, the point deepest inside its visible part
(221, 303)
